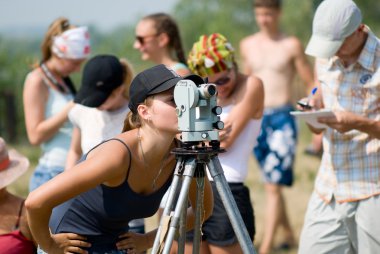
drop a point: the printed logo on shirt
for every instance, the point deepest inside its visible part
(365, 78)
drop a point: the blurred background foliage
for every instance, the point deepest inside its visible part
(234, 19)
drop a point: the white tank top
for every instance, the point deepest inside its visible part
(54, 150)
(235, 160)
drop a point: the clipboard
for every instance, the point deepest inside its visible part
(311, 117)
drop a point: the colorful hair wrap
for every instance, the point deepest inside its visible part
(210, 55)
(72, 44)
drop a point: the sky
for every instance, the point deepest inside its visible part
(106, 15)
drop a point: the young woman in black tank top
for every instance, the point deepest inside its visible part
(119, 180)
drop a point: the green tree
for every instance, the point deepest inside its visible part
(232, 18)
(15, 58)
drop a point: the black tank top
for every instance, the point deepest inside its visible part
(102, 214)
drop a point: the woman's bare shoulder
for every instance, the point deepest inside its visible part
(34, 78)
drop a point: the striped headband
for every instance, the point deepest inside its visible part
(72, 44)
(210, 55)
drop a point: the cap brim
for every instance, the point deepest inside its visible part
(93, 100)
(18, 166)
(165, 86)
(172, 82)
(322, 48)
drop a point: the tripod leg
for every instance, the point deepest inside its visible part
(168, 206)
(182, 230)
(199, 207)
(188, 173)
(229, 203)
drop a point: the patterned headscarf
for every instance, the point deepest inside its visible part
(210, 55)
(72, 44)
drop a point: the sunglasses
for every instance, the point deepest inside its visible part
(223, 80)
(141, 39)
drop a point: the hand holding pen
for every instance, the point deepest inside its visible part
(306, 104)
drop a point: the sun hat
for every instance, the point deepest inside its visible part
(333, 22)
(12, 165)
(101, 75)
(155, 80)
(72, 44)
(210, 55)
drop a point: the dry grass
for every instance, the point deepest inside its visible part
(296, 197)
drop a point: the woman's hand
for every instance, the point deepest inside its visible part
(69, 243)
(225, 132)
(133, 243)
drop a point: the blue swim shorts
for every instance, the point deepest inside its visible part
(276, 146)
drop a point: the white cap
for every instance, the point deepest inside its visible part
(333, 22)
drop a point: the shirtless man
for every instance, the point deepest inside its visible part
(275, 58)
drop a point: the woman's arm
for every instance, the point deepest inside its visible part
(250, 106)
(106, 164)
(75, 151)
(24, 227)
(35, 96)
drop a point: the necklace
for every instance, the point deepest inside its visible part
(62, 88)
(145, 163)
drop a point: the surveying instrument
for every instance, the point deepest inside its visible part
(199, 121)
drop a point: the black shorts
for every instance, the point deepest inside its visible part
(218, 230)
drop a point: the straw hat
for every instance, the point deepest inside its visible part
(12, 165)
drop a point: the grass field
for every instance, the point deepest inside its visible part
(296, 197)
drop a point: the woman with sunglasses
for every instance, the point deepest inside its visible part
(242, 100)
(158, 40)
(48, 94)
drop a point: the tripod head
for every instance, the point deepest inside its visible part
(197, 112)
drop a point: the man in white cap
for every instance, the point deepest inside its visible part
(342, 216)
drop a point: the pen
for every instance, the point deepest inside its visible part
(311, 95)
(305, 104)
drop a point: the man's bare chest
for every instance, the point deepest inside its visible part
(270, 58)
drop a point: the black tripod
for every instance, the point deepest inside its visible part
(191, 162)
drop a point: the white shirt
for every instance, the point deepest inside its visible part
(97, 125)
(235, 160)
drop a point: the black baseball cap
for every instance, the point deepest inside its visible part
(155, 80)
(101, 75)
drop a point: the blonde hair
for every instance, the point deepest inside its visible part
(128, 76)
(133, 120)
(58, 26)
